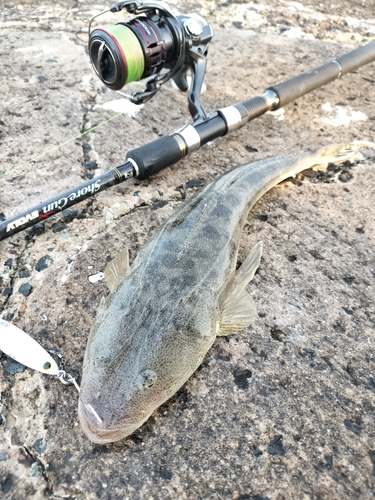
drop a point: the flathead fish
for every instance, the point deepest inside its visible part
(165, 311)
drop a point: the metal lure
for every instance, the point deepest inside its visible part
(18, 345)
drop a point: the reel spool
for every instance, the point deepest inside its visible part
(145, 45)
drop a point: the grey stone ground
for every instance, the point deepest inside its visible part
(283, 410)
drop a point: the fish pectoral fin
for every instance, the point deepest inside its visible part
(116, 268)
(245, 273)
(237, 315)
(239, 309)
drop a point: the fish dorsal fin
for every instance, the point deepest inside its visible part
(239, 309)
(116, 269)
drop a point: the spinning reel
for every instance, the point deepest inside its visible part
(145, 45)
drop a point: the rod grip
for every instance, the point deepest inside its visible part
(357, 58)
(303, 84)
(153, 157)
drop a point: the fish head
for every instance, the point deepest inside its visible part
(110, 415)
(134, 363)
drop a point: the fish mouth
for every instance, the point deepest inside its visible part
(94, 432)
(100, 436)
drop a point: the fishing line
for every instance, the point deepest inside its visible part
(132, 51)
(46, 152)
(126, 47)
(136, 49)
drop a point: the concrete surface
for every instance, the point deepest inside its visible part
(283, 410)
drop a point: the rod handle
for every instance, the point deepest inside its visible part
(311, 80)
(153, 157)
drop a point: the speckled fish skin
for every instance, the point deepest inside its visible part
(166, 310)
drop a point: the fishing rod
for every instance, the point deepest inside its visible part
(140, 48)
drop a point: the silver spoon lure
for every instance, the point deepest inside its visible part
(19, 346)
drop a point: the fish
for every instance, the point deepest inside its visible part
(164, 312)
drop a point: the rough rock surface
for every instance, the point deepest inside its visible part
(283, 410)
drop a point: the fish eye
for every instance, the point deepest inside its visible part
(146, 379)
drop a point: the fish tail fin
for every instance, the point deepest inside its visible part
(281, 168)
(336, 153)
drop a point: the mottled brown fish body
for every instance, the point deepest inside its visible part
(182, 290)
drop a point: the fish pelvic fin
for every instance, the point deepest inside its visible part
(116, 269)
(239, 309)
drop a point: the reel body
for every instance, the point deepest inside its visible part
(143, 46)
